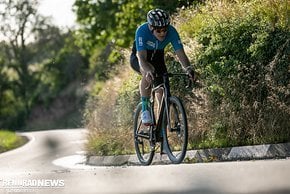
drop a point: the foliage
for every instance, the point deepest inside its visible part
(128, 18)
(37, 61)
(95, 18)
(108, 116)
(9, 140)
(242, 58)
(19, 19)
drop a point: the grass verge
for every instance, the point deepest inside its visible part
(10, 140)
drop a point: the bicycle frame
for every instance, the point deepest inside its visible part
(163, 103)
(164, 100)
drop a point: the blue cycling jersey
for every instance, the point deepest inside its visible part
(145, 40)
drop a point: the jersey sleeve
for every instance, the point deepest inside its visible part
(140, 39)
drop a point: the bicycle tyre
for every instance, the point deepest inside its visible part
(142, 142)
(176, 132)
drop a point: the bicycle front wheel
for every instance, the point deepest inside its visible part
(142, 139)
(175, 130)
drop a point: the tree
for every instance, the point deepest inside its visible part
(96, 21)
(115, 21)
(19, 21)
(28, 47)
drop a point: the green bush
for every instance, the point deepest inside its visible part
(243, 62)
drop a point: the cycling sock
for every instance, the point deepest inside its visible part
(144, 101)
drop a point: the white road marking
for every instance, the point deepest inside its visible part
(81, 152)
(73, 162)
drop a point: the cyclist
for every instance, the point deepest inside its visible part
(147, 55)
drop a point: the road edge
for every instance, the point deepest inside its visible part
(256, 152)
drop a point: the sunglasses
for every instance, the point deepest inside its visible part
(160, 30)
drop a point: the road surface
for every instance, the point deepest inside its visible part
(52, 162)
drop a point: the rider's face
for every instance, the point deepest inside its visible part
(160, 33)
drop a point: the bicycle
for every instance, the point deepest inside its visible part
(169, 128)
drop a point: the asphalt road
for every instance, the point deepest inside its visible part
(52, 162)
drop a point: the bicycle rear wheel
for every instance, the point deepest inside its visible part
(175, 130)
(143, 139)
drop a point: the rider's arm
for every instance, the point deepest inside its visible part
(183, 58)
(178, 48)
(185, 63)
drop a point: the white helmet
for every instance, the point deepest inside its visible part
(158, 18)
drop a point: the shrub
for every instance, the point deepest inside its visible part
(109, 115)
(243, 62)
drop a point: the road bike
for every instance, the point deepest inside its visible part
(168, 130)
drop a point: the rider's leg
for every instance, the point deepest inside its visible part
(144, 86)
(145, 92)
